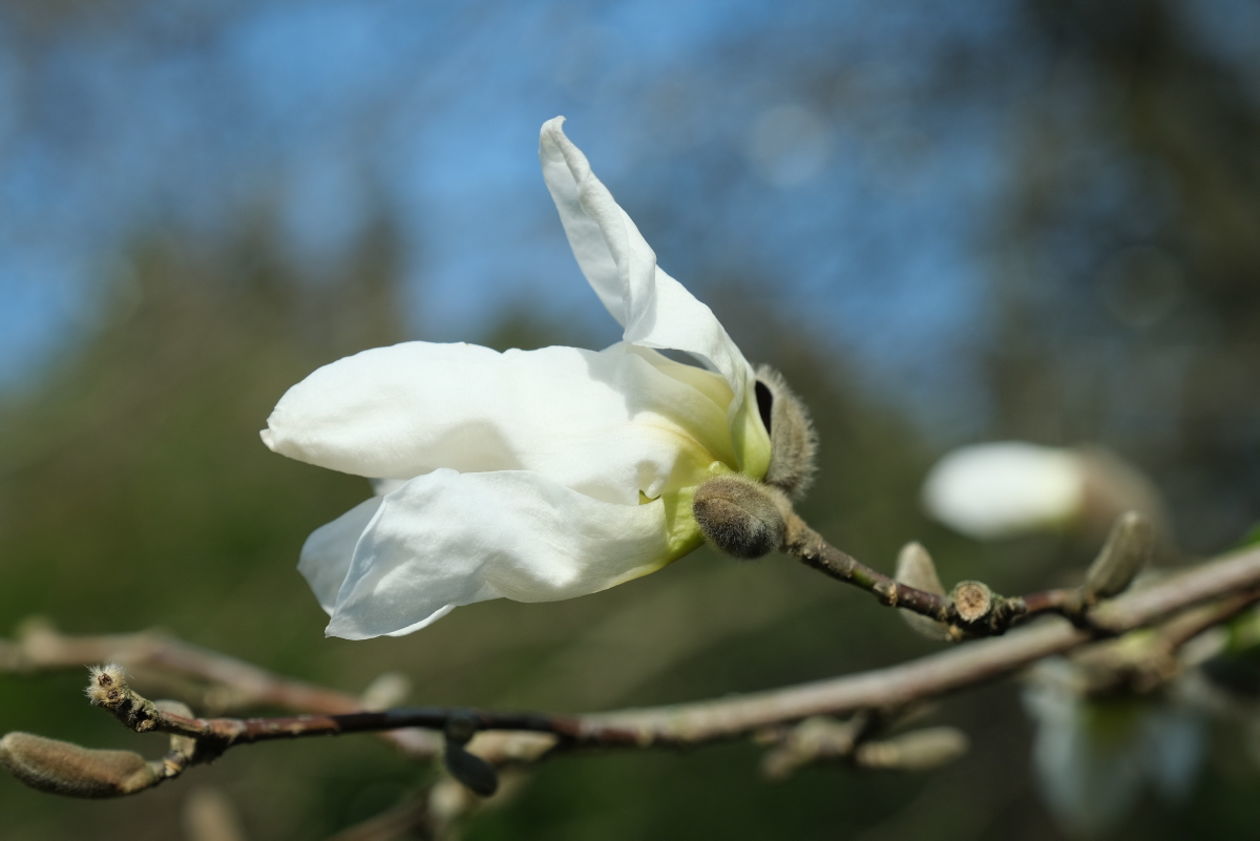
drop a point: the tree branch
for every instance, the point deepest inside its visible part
(1235, 578)
(1230, 584)
(38, 645)
(975, 663)
(972, 608)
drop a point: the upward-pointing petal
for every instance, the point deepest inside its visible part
(653, 308)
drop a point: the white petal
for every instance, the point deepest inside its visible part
(447, 539)
(1088, 757)
(380, 487)
(1005, 488)
(611, 424)
(327, 552)
(1175, 741)
(653, 308)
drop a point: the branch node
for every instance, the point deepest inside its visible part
(973, 601)
(461, 726)
(469, 769)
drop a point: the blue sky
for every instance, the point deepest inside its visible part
(853, 154)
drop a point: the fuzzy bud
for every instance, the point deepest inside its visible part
(793, 441)
(75, 771)
(741, 517)
(920, 750)
(1128, 548)
(812, 740)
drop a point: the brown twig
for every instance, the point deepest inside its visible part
(1229, 585)
(38, 645)
(808, 546)
(1181, 630)
(972, 608)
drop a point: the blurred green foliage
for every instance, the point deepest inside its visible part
(140, 496)
(136, 494)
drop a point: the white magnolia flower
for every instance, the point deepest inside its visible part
(1009, 488)
(1005, 488)
(529, 475)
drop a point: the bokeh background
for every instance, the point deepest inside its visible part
(944, 222)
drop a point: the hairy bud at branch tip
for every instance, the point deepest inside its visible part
(740, 516)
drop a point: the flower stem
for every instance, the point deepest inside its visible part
(809, 547)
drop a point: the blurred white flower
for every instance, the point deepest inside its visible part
(529, 475)
(1008, 488)
(1093, 756)
(1005, 488)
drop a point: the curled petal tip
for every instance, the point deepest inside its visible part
(554, 125)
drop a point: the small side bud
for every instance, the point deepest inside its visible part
(75, 771)
(471, 770)
(182, 746)
(741, 517)
(920, 750)
(793, 441)
(1129, 547)
(972, 600)
(209, 815)
(916, 568)
(386, 690)
(813, 740)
